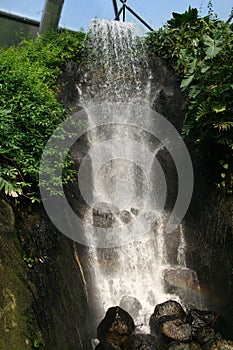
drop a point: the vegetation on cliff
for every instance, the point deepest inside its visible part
(29, 109)
(199, 51)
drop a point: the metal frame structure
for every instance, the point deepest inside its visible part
(51, 15)
(122, 11)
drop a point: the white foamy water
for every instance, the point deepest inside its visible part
(118, 71)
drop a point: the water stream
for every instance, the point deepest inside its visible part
(118, 71)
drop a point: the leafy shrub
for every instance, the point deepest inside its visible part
(199, 51)
(29, 110)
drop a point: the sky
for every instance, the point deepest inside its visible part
(77, 14)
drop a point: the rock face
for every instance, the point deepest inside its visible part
(42, 291)
(7, 217)
(181, 278)
(116, 328)
(209, 238)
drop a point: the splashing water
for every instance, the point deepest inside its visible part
(118, 71)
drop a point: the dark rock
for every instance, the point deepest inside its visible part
(102, 346)
(168, 308)
(7, 217)
(184, 346)
(199, 318)
(221, 345)
(142, 342)
(68, 82)
(181, 278)
(131, 305)
(125, 216)
(204, 335)
(116, 327)
(135, 211)
(174, 329)
(103, 215)
(167, 96)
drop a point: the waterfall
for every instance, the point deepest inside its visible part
(118, 71)
(181, 256)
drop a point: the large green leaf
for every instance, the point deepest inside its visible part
(212, 46)
(186, 81)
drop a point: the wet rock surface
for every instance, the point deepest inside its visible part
(115, 328)
(7, 217)
(204, 334)
(170, 326)
(184, 346)
(169, 308)
(221, 345)
(199, 318)
(142, 341)
(174, 329)
(181, 278)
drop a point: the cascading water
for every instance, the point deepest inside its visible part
(118, 71)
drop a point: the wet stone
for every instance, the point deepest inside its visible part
(183, 346)
(200, 318)
(181, 278)
(204, 335)
(168, 308)
(115, 328)
(103, 219)
(221, 345)
(125, 216)
(135, 211)
(174, 329)
(102, 346)
(142, 342)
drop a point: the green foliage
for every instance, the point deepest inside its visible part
(179, 19)
(199, 51)
(29, 110)
(37, 344)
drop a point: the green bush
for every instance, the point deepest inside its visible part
(199, 51)
(29, 110)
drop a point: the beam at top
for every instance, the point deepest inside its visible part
(115, 7)
(51, 15)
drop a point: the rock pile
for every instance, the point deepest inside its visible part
(171, 328)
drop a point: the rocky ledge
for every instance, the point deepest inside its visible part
(171, 328)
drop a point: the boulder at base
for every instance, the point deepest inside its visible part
(200, 318)
(184, 346)
(168, 308)
(116, 327)
(106, 346)
(204, 335)
(172, 328)
(142, 341)
(222, 345)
